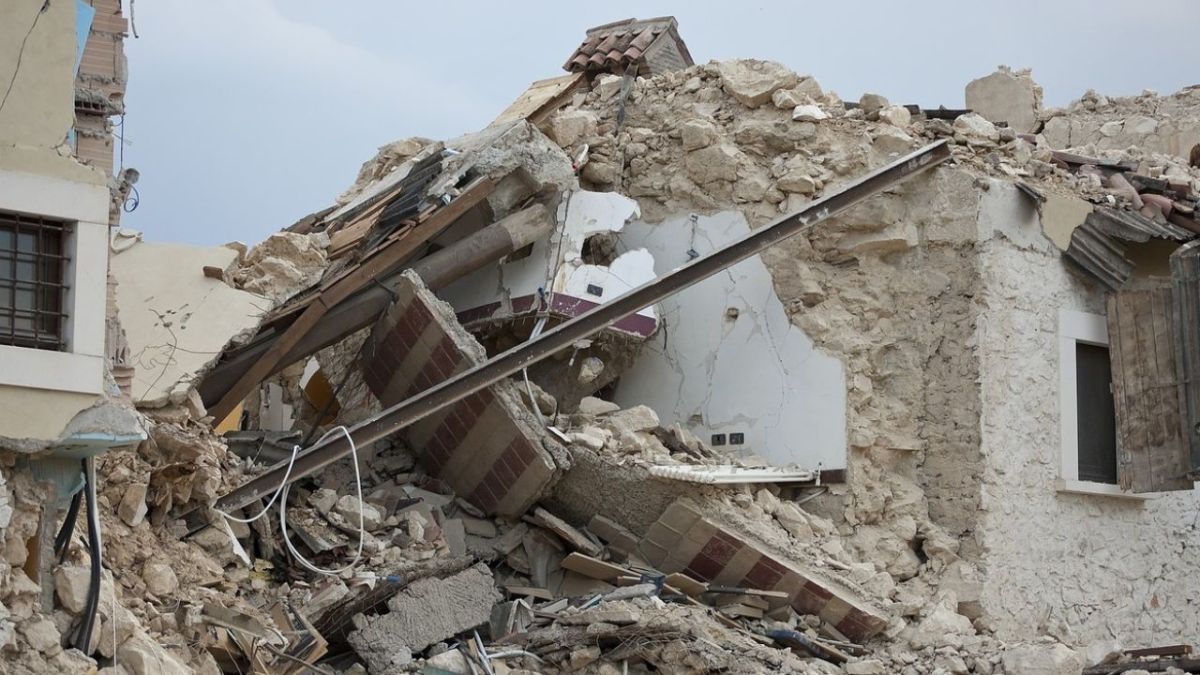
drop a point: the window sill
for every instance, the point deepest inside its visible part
(1083, 487)
(56, 371)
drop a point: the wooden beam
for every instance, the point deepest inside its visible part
(343, 287)
(360, 310)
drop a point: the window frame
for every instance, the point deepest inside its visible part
(79, 368)
(1078, 327)
(49, 295)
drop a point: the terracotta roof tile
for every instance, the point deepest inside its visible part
(615, 46)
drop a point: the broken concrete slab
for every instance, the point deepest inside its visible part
(426, 611)
(488, 446)
(284, 263)
(1007, 96)
(176, 319)
(752, 82)
(683, 540)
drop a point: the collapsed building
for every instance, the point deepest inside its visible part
(947, 426)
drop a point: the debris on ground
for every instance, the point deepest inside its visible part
(537, 525)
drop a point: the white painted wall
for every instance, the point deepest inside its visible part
(755, 374)
(581, 215)
(1085, 566)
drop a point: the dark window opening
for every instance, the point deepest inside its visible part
(32, 274)
(1096, 417)
(599, 249)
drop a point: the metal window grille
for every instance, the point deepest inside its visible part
(33, 287)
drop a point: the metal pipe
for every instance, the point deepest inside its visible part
(565, 334)
(437, 270)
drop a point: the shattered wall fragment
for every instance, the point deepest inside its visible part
(487, 446)
(726, 331)
(683, 540)
(425, 612)
(177, 319)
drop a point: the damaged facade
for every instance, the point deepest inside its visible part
(947, 429)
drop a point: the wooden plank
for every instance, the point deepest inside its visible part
(593, 567)
(1155, 666)
(1152, 454)
(541, 99)
(574, 538)
(1166, 650)
(1185, 282)
(686, 584)
(262, 368)
(407, 244)
(378, 264)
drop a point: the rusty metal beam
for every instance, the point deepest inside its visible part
(564, 335)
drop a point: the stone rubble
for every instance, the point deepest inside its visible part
(565, 587)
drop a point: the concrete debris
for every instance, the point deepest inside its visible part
(425, 612)
(753, 82)
(283, 264)
(783, 469)
(1007, 96)
(809, 113)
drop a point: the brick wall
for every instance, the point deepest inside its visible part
(682, 540)
(94, 140)
(102, 76)
(487, 446)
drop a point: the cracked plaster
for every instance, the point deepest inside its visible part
(724, 332)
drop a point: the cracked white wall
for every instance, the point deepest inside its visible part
(728, 359)
(1083, 567)
(558, 260)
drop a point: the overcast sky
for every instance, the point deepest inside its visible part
(244, 115)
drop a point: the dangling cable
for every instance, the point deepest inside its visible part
(284, 488)
(62, 542)
(537, 330)
(84, 638)
(362, 530)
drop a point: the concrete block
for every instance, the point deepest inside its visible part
(488, 447)
(710, 552)
(426, 611)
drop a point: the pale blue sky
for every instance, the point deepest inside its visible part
(245, 115)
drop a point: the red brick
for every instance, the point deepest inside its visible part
(703, 568)
(765, 574)
(812, 598)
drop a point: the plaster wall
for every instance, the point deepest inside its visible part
(556, 262)
(78, 370)
(177, 320)
(42, 416)
(40, 48)
(725, 333)
(1084, 567)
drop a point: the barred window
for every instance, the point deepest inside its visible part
(32, 281)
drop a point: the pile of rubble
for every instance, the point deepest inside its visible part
(641, 548)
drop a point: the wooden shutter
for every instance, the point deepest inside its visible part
(1185, 281)
(1148, 393)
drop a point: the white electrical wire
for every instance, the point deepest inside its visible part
(537, 330)
(281, 493)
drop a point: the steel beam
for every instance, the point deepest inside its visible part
(564, 335)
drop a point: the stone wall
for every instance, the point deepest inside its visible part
(1082, 567)
(886, 288)
(1163, 124)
